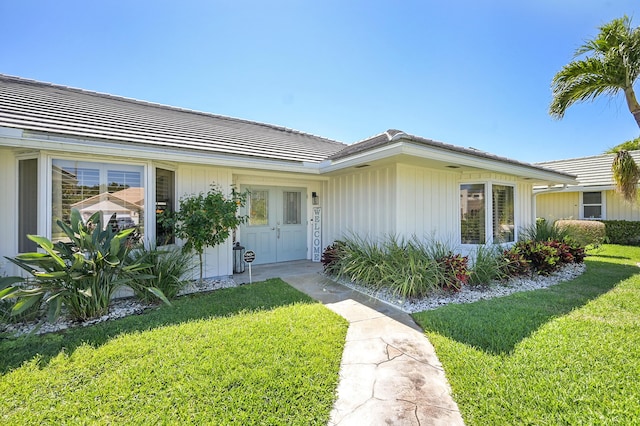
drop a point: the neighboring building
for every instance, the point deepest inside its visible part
(594, 196)
(62, 147)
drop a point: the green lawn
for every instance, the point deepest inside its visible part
(569, 354)
(258, 354)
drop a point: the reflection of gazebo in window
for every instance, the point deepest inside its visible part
(127, 204)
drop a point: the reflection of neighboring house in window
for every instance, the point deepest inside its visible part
(470, 201)
(126, 204)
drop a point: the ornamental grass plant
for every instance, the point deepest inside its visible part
(407, 268)
(169, 270)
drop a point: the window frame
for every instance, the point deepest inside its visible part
(602, 204)
(148, 177)
(38, 197)
(488, 208)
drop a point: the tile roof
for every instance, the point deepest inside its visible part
(69, 112)
(591, 171)
(393, 136)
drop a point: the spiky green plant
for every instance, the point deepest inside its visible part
(542, 230)
(169, 268)
(81, 274)
(487, 265)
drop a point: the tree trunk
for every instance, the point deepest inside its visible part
(200, 257)
(632, 103)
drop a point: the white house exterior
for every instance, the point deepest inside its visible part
(61, 146)
(592, 197)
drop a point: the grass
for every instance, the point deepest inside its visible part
(569, 354)
(258, 354)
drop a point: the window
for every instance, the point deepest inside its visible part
(472, 213)
(503, 214)
(292, 208)
(259, 208)
(592, 205)
(165, 194)
(27, 204)
(474, 209)
(90, 187)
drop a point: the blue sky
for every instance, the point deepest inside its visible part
(469, 73)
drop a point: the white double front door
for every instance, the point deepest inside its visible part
(277, 226)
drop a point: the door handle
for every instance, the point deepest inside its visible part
(278, 233)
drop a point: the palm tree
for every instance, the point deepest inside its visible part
(608, 64)
(632, 145)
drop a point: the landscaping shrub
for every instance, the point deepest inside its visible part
(455, 271)
(168, 268)
(542, 230)
(584, 232)
(545, 257)
(488, 265)
(6, 306)
(361, 261)
(622, 232)
(406, 268)
(81, 274)
(331, 257)
(514, 263)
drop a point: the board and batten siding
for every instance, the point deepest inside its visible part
(407, 200)
(8, 210)
(566, 205)
(618, 209)
(362, 202)
(190, 179)
(558, 205)
(427, 205)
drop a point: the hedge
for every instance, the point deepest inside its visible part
(585, 232)
(622, 232)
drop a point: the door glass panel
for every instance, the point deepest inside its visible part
(292, 208)
(259, 208)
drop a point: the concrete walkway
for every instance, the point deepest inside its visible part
(389, 373)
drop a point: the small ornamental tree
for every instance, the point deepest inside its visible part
(205, 220)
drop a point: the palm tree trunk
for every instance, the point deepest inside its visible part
(632, 103)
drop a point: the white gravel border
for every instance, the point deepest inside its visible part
(130, 306)
(119, 308)
(469, 293)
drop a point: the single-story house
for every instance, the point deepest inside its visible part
(594, 195)
(60, 146)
